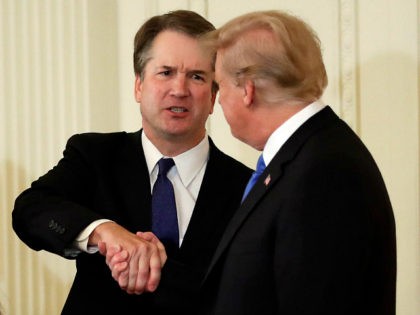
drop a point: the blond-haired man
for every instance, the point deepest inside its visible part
(316, 233)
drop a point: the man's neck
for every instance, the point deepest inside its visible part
(171, 146)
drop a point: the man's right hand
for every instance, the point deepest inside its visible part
(134, 260)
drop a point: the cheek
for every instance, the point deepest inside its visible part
(205, 98)
(203, 93)
(222, 98)
(228, 112)
(226, 101)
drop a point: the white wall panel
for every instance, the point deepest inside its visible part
(51, 60)
(389, 123)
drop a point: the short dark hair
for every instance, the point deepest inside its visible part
(183, 21)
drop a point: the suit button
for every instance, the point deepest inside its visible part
(52, 224)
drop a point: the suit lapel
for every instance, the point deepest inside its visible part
(213, 208)
(272, 174)
(133, 175)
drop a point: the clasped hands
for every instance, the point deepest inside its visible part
(135, 260)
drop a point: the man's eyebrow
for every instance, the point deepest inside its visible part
(165, 67)
(192, 71)
(202, 72)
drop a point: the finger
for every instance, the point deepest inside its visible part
(111, 252)
(148, 236)
(119, 257)
(143, 270)
(162, 253)
(154, 239)
(133, 272)
(123, 280)
(155, 272)
(102, 248)
(119, 269)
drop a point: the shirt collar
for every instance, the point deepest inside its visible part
(188, 164)
(285, 130)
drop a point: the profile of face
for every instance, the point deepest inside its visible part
(234, 101)
(175, 93)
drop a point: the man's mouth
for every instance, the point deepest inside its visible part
(178, 109)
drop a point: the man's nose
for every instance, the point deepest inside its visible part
(180, 86)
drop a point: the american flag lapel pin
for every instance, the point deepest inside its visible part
(267, 180)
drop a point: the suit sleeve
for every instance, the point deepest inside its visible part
(56, 208)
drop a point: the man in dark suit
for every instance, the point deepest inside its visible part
(316, 233)
(99, 194)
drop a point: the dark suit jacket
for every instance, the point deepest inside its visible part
(106, 176)
(316, 234)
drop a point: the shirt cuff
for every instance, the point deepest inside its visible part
(81, 242)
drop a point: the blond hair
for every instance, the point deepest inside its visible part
(273, 48)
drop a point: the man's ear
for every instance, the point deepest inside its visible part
(137, 88)
(213, 100)
(249, 92)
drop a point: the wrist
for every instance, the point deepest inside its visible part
(98, 233)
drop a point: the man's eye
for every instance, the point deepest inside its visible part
(165, 73)
(197, 77)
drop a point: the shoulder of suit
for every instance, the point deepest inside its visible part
(103, 141)
(228, 163)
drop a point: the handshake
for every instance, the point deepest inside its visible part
(135, 260)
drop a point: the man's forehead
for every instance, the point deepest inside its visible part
(218, 67)
(170, 47)
(180, 66)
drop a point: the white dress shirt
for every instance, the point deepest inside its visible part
(288, 128)
(186, 177)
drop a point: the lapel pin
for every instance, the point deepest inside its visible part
(267, 180)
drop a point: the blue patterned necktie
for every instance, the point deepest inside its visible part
(164, 217)
(254, 177)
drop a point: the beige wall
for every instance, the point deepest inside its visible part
(65, 67)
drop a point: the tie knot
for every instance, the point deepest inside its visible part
(260, 165)
(165, 165)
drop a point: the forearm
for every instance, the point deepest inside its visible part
(46, 221)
